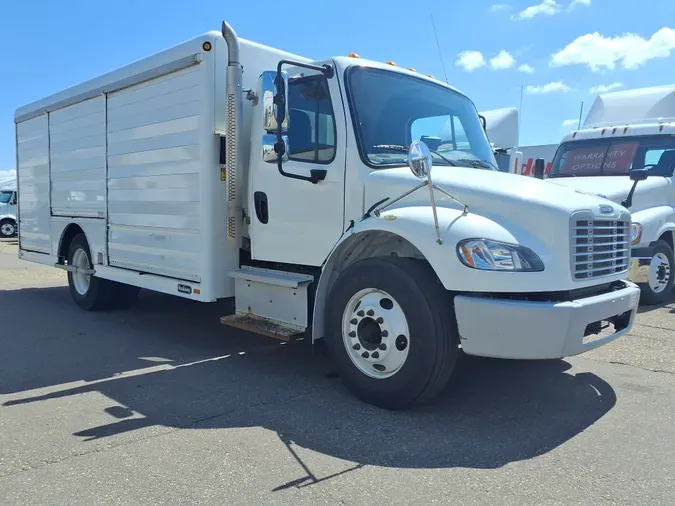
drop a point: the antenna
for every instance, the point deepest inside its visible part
(581, 112)
(440, 55)
(520, 112)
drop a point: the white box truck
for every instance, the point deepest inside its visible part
(629, 136)
(221, 168)
(8, 205)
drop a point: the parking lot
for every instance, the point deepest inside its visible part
(162, 404)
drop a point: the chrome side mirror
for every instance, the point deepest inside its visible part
(419, 159)
(273, 115)
(268, 153)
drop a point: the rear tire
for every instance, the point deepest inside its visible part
(399, 296)
(660, 285)
(88, 292)
(7, 228)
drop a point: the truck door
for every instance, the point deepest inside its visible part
(292, 220)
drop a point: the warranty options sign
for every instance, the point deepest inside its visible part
(600, 160)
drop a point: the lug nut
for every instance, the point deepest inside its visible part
(384, 333)
(352, 334)
(353, 321)
(382, 346)
(370, 312)
(375, 355)
(365, 354)
(380, 320)
(360, 313)
(357, 347)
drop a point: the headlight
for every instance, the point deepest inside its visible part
(488, 255)
(636, 233)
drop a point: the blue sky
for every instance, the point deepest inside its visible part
(569, 46)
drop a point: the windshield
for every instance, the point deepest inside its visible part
(5, 197)
(607, 157)
(392, 109)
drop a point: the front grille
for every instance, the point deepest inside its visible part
(599, 247)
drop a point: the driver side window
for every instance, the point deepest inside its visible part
(311, 129)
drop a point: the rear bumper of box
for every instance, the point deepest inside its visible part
(521, 329)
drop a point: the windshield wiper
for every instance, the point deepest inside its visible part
(562, 175)
(405, 149)
(478, 163)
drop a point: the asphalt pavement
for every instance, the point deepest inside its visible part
(163, 405)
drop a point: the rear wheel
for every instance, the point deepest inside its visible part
(391, 331)
(88, 292)
(7, 228)
(658, 288)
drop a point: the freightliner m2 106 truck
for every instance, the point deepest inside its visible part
(221, 168)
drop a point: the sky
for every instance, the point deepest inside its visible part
(558, 52)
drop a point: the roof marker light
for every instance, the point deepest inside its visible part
(625, 130)
(574, 135)
(412, 69)
(603, 131)
(391, 63)
(353, 55)
(614, 131)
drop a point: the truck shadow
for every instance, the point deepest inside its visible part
(185, 371)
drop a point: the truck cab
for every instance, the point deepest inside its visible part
(625, 153)
(8, 221)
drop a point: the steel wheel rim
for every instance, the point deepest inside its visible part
(81, 281)
(7, 229)
(659, 273)
(375, 333)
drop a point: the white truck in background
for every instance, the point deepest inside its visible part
(221, 168)
(503, 131)
(625, 152)
(8, 207)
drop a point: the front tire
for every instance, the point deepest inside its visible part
(7, 228)
(88, 292)
(660, 285)
(391, 331)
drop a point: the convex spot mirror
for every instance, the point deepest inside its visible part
(419, 159)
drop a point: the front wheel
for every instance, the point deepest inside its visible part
(391, 331)
(660, 284)
(7, 228)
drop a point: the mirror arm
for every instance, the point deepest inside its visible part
(628, 201)
(279, 100)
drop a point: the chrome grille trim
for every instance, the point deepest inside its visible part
(599, 245)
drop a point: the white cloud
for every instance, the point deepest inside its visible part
(604, 88)
(545, 8)
(628, 50)
(7, 173)
(527, 69)
(552, 87)
(569, 123)
(500, 8)
(7, 179)
(503, 60)
(470, 60)
(582, 3)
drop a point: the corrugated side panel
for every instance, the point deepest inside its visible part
(77, 151)
(153, 176)
(33, 174)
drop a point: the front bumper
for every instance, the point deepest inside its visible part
(640, 258)
(518, 329)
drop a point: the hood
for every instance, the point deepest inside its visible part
(615, 188)
(522, 204)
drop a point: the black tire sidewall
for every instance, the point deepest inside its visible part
(2, 222)
(411, 380)
(90, 300)
(648, 296)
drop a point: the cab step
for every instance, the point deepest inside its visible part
(270, 302)
(262, 326)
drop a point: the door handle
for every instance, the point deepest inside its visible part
(260, 204)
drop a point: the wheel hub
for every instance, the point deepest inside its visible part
(659, 273)
(375, 333)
